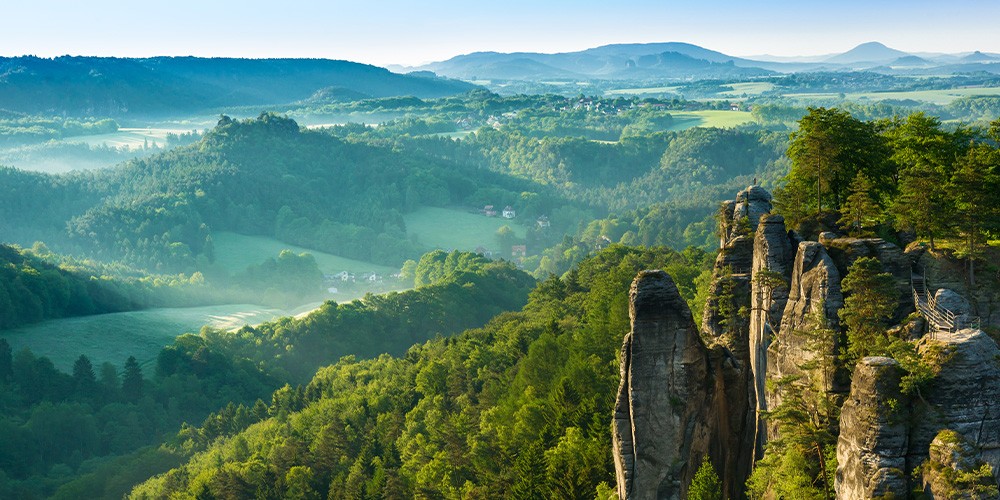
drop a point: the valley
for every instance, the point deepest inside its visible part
(305, 277)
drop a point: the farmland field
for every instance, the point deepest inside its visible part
(942, 97)
(641, 91)
(454, 229)
(234, 252)
(748, 88)
(684, 120)
(114, 337)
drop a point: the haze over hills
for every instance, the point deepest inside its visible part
(99, 86)
(866, 53)
(680, 61)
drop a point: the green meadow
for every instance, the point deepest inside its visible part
(453, 229)
(684, 120)
(235, 252)
(114, 337)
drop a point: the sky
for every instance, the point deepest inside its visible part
(409, 32)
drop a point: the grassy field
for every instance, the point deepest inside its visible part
(684, 120)
(748, 88)
(453, 229)
(633, 92)
(237, 251)
(942, 97)
(115, 337)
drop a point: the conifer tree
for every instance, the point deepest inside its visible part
(132, 380)
(860, 211)
(706, 484)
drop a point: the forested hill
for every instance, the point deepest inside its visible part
(515, 409)
(103, 86)
(263, 176)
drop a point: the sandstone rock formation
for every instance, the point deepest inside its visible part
(844, 251)
(964, 396)
(953, 470)
(813, 297)
(885, 436)
(874, 438)
(773, 309)
(773, 254)
(673, 401)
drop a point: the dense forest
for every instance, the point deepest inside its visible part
(86, 422)
(517, 408)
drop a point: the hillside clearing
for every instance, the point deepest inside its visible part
(455, 229)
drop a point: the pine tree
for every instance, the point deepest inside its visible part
(860, 210)
(706, 484)
(871, 300)
(974, 186)
(132, 380)
(84, 381)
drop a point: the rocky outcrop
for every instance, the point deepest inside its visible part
(673, 405)
(752, 203)
(740, 217)
(954, 472)
(844, 251)
(813, 298)
(874, 438)
(737, 256)
(771, 313)
(885, 435)
(773, 254)
(964, 396)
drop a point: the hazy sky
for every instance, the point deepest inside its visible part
(412, 32)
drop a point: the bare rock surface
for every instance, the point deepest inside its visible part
(676, 399)
(773, 255)
(871, 450)
(964, 396)
(814, 291)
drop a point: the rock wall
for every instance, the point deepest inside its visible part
(874, 438)
(773, 252)
(885, 435)
(814, 291)
(964, 396)
(673, 405)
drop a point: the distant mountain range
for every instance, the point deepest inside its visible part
(684, 61)
(99, 86)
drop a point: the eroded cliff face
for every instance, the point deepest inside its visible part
(963, 397)
(773, 256)
(874, 437)
(672, 408)
(772, 309)
(886, 435)
(813, 300)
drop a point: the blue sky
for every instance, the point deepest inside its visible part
(411, 32)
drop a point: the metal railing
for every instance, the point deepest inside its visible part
(940, 318)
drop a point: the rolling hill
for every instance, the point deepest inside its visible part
(672, 60)
(105, 86)
(870, 52)
(685, 61)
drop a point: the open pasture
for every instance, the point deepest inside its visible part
(455, 229)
